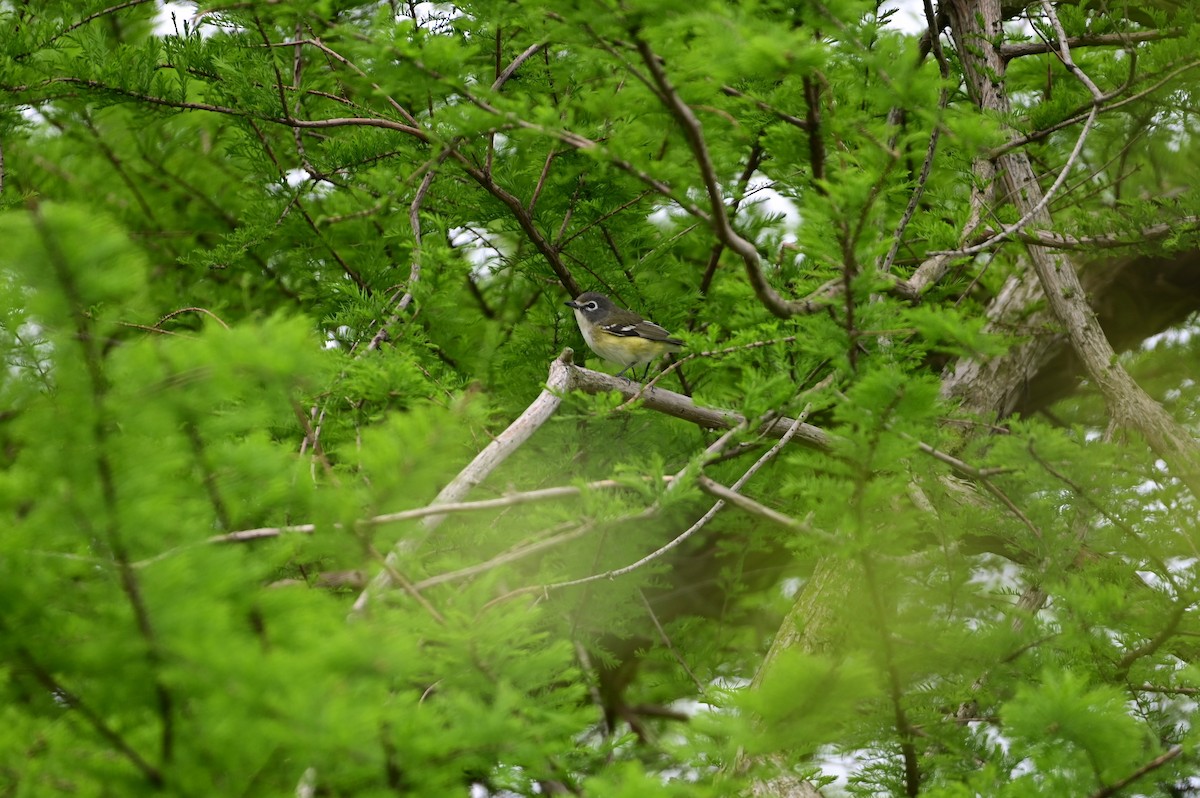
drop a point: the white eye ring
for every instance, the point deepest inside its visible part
(591, 305)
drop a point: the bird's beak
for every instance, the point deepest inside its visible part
(572, 304)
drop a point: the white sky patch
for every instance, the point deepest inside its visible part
(1172, 337)
(333, 340)
(431, 15)
(297, 178)
(1004, 575)
(31, 114)
(843, 764)
(909, 16)
(763, 198)
(481, 251)
(183, 19)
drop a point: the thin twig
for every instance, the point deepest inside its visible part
(742, 502)
(509, 500)
(487, 461)
(1039, 207)
(529, 52)
(181, 311)
(674, 542)
(1038, 135)
(719, 217)
(574, 531)
(1153, 764)
(666, 639)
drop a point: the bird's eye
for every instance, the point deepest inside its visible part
(592, 305)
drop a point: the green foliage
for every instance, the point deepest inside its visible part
(277, 271)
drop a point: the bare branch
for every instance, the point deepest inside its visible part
(714, 488)
(529, 52)
(1154, 232)
(662, 634)
(1128, 403)
(795, 121)
(508, 500)
(681, 537)
(1152, 765)
(719, 218)
(682, 407)
(495, 453)
(414, 269)
(1010, 50)
(575, 532)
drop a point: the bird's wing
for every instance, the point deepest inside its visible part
(641, 329)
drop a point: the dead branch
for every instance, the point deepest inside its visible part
(976, 25)
(495, 453)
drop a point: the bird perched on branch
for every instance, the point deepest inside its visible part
(620, 335)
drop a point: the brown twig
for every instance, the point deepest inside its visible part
(666, 640)
(718, 215)
(1152, 765)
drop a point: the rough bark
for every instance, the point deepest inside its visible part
(976, 26)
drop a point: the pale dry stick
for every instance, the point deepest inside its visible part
(512, 555)
(1064, 53)
(711, 453)
(1154, 232)
(495, 453)
(307, 786)
(678, 539)
(1011, 50)
(528, 53)
(414, 275)
(1039, 208)
(935, 267)
(508, 500)
(746, 504)
(406, 584)
(414, 271)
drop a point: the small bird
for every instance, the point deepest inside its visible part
(620, 335)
